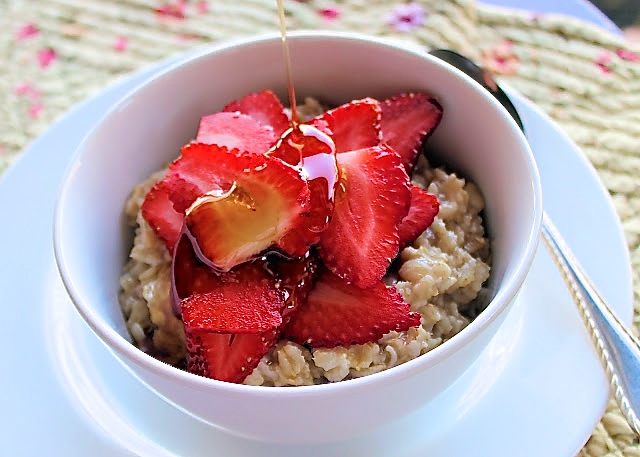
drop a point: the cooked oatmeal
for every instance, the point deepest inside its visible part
(441, 275)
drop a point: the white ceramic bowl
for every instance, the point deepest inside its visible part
(147, 128)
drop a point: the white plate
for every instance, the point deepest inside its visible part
(63, 393)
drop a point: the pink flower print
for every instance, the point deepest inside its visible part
(121, 44)
(202, 7)
(500, 59)
(603, 61)
(35, 110)
(406, 17)
(630, 56)
(28, 30)
(46, 56)
(26, 89)
(172, 10)
(329, 14)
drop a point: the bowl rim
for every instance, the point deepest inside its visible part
(116, 342)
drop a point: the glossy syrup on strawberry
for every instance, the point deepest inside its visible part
(312, 151)
(321, 164)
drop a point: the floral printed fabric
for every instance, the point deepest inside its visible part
(60, 52)
(65, 51)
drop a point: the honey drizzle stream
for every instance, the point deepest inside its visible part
(287, 59)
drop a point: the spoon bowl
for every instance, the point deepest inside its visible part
(618, 349)
(481, 76)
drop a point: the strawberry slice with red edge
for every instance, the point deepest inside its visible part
(235, 131)
(232, 319)
(227, 356)
(373, 197)
(238, 205)
(189, 275)
(231, 327)
(264, 107)
(340, 314)
(407, 121)
(423, 210)
(245, 301)
(164, 220)
(354, 125)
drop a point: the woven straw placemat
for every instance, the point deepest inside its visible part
(58, 52)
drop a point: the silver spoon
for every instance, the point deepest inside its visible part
(619, 350)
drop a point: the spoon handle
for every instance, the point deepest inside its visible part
(616, 346)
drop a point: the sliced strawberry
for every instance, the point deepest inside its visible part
(373, 197)
(159, 213)
(237, 205)
(264, 107)
(191, 276)
(188, 274)
(235, 131)
(312, 150)
(251, 306)
(206, 168)
(340, 314)
(227, 356)
(230, 328)
(423, 210)
(407, 120)
(354, 125)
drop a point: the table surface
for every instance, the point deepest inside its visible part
(63, 51)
